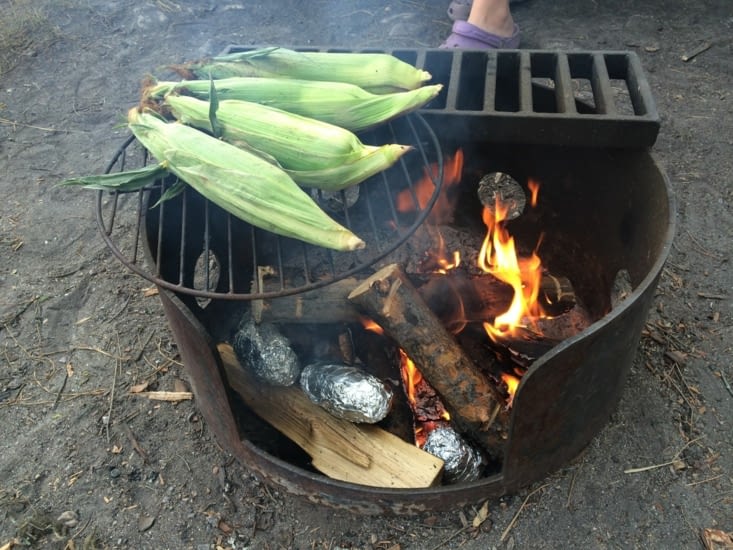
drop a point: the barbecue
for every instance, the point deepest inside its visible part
(513, 371)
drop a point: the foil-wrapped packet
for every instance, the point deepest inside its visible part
(347, 392)
(462, 461)
(267, 353)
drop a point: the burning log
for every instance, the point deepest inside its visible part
(395, 304)
(363, 454)
(458, 297)
(475, 299)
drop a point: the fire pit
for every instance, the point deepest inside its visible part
(605, 209)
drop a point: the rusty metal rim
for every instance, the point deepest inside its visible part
(643, 286)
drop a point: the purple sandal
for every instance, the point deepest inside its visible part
(469, 37)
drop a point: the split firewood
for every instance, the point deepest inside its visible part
(392, 301)
(456, 296)
(356, 453)
(328, 304)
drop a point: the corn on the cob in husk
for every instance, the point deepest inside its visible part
(337, 103)
(313, 153)
(379, 72)
(241, 183)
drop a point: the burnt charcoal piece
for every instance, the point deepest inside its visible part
(267, 353)
(347, 392)
(462, 462)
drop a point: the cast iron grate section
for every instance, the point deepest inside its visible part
(191, 246)
(579, 98)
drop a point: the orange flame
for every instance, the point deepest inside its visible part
(512, 383)
(372, 326)
(411, 376)
(444, 261)
(534, 189)
(420, 193)
(498, 256)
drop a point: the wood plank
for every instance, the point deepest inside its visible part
(357, 453)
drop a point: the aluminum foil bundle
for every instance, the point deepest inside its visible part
(267, 353)
(347, 392)
(462, 462)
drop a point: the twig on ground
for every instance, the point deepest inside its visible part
(142, 348)
(135, 444)
(572, 485)
(697, 51)
(65, 397)
(101, 351)
(167, 395)
(15, 123)
(712, 296)
(451, 537)
(112, 396)
(509, 527)
(725, 381)
(675, 458)
(705, 480)
(61, 389)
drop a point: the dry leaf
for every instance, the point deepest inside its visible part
(69, 370)
(715, 539)
(481, 515)
(224, 527)
(137, 388)
(151, 291)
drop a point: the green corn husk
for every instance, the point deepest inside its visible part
(241, 183)
(313, 153)
(337, 103)
(379, 72)
(129, 180)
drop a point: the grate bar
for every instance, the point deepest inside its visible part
(564, 86)
(525, 82)
(601, 82)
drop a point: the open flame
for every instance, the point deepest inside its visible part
(413, 382)
(421, 191)
(498, 256)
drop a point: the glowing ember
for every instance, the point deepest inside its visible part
(416, 390)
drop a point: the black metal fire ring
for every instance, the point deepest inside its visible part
(427, 158)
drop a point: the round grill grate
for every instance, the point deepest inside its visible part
(191, 246)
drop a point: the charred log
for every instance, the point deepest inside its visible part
(394, 303)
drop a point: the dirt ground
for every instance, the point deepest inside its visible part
(77, 329)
